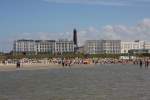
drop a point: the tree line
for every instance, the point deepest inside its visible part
(40, 55)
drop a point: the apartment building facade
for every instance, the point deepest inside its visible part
(24, 46)
(37, 46)
(129, 45)
(45, 46)
(102, 46)
(62, 46)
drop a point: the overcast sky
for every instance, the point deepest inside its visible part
(55, 19)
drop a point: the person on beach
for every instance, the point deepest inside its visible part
(141, 63)
(146, 64)
(18, 64)
(4, 62)
(63, 62)
(69, 63)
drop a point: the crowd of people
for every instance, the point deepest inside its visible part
(142, 62)
(68, 62)
(74, 61)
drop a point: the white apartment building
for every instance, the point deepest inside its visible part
(126, 46)
(24, 45)
(51, 46)
(62, 46)
(111, 46)
(45, 46)
(102, 46)
(93, 46)
(90, 47)
(147, 45)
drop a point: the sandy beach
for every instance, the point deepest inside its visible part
(12, 67)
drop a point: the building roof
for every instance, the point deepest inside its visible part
(44, 40)
(26, 40)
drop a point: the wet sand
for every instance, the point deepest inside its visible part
(12, 67)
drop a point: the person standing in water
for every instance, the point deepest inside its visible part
(146, 64)
(18, 64)
(62, 61)
(141, 63)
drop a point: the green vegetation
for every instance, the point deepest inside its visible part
(143, 55)
(116, 56)
(49, 55)
(2, 56)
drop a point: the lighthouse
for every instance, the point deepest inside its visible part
(75, 40)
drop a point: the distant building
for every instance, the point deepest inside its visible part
(51, 46)
(146, 45)
(45, 46)
(62, 46)
(93, 47)
(24, 46)
(75, 37)
(139, 51)
(112, 46)
(102, 46)
(75, 40)
(90, 47)
(34, 46)
(126, 46)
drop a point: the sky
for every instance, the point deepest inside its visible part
(56, 19)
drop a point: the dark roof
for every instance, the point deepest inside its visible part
(28, 40)
(44, 40)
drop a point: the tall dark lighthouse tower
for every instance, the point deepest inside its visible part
(75, 39)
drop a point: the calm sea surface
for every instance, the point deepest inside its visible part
(100, 82)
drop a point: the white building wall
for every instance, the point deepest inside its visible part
(93, 46)
(147, 45)
(62, 46)
(126, 46)
(24, 46)
(45, 46)
(34, 46)
(102, 46)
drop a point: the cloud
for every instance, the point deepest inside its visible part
(95, 2)
(6, 44)
(140, 31)
(104, 2)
